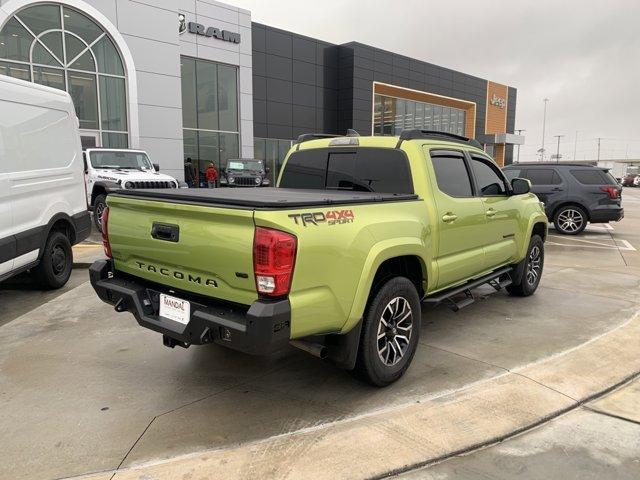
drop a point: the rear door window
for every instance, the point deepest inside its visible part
(591, 177)
(543, 176)
(362, 169)
(451, 172)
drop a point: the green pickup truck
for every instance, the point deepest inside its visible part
(336, 260)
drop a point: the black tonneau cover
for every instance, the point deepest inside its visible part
(268, 198)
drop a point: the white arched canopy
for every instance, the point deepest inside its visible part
(70, 45)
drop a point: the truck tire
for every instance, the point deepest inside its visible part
(532, 267)
(390, 333)
(99, 204)
(56, 262)
(570, 220)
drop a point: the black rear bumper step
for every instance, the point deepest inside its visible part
(259, 329)
(492, 279)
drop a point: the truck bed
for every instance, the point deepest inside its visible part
(265, 198)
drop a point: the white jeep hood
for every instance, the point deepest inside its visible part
(131, 175)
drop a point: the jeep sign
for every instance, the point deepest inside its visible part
(199, 29)
(498, 102)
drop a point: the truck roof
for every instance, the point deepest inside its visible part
(324, 141)
(264, 198)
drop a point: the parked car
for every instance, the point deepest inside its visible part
(43, 211)
(573, 194)
(336, 261)
(629, 180)
(243, 172)
(108, 170)
(636, 181)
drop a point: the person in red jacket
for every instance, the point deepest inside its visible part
(211, 174)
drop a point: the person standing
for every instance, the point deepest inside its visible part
(189, 173)
(211, 174)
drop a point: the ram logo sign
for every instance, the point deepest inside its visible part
(199, 29)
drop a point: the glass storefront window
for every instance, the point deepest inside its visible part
(115, 140)
(113, 103)
(273, 152)
(399, 117)
(15, 70)
(63, 48)
(392, 115)
(51, 77)
(377, 115)
(419, 119)
(227, 98)
(207, 95)
(209, 115)
(84, 92)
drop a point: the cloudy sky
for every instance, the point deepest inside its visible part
(582, 55)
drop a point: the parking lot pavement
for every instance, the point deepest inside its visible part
(599, 440)
(84, 389)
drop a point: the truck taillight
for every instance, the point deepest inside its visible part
(612, 191)
(105, 232)
(274, 256)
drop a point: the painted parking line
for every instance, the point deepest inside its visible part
(623, 245)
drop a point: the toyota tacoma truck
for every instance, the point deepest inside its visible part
(336, 260)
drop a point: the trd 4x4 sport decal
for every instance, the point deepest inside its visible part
(331, 217)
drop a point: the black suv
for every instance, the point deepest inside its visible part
(573, 194)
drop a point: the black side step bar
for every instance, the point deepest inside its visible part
(492, 279)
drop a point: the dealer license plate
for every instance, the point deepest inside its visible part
(175, 309)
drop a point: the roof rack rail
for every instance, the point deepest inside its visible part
(435, 135)
(305, 137)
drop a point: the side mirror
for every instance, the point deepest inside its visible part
(520, 186)
(156, 167)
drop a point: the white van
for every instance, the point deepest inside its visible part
(43, 207)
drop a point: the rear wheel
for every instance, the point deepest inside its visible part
(390, 333)
(99, 204)
(570, 220)
(532, 266)
(54, 268)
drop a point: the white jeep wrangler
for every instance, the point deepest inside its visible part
(108, 170)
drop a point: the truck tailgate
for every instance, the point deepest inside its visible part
(205, 250)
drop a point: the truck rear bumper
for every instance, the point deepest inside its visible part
(262, 328)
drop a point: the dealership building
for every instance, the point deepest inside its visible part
(198, 79)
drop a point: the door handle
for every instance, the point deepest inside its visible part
(491, 213)
(557, 189)
(449, 217)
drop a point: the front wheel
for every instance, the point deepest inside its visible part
(390, 333)
(570, 220)
(56, 262)
(99, 205)
(532, 266)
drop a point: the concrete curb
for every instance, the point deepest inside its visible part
(425, 432)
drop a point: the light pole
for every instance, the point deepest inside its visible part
(544, 126)
(519, 133)
(599, 138)
(558, 150)
(575, 146)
